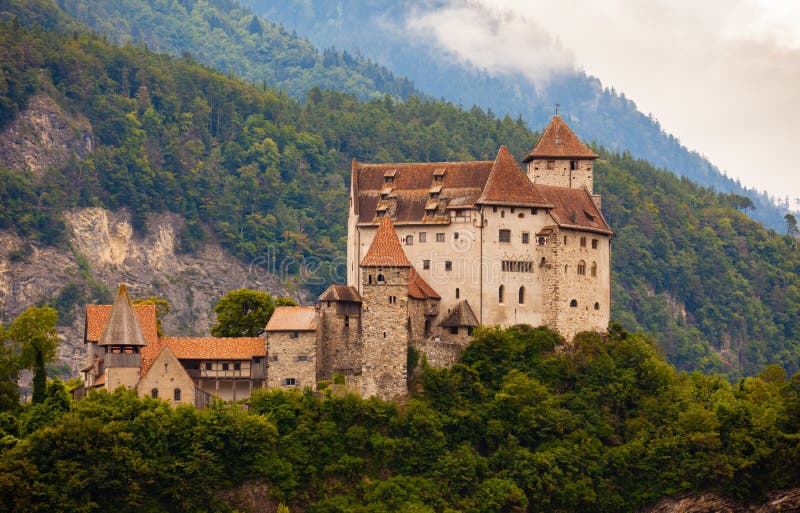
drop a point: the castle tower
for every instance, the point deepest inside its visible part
(340, 315)
(560, 159)
(385, 273)
(121, 343)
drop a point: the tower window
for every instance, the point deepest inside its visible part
(551, 164)
(583, 242)
(573, 303)
(448, 265)
(346, 321)
(501, 293)
(526, 237)
(582, 267)
(502, 213)
(522, 295)
(409, 240)
(594, 268)
(458, 293)
(295, 334)
(290, 382)
(534, 211)
(426, 264)
(565, 240)
(455, 236)
(597, 306)
(454, 330)
(381, 279)
(176, 395)
(505, 236)
(423, 236)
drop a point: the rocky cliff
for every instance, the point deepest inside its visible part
(785, 502)
(102, 248)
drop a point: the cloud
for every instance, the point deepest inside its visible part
(495, 40)
(721, 75)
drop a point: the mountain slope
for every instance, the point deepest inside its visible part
(266, 177)
(377, 29)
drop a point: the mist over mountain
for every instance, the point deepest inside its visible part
(400, 35)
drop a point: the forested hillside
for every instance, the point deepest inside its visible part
(266, 175)
(515, 427)
(378, 30)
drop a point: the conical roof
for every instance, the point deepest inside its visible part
(560, 142)
(385, 250)
(508, 185)
(122, 328)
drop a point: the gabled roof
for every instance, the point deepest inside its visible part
(460, 315)
(341, 293)
(123, 326)
(213, 348)
(560, 142)
(385, 249)
(97, 316)
(418, 288)
(508, 185)
(293, 318)
(574, 209)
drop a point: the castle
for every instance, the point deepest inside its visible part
(433, 250)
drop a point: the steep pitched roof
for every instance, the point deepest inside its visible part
(123, 326)
(385, 249)
(460, 315)
(508, 185)
(341, 293)
(97, 316)
(418, 288)
(214, 348)
(293, 318)
(574, 209)
(559, 141)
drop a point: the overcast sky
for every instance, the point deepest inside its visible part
(721, 75)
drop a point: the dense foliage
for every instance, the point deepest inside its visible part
(267, 176)
(514, 427)
(227, 36)
(245, 312)
(383, 31)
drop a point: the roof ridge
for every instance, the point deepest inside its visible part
(508, 184)
(559, 141)
(122, 327)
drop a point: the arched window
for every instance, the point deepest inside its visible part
(381, 279)
(500, 293)
(573, 303)
(566, 269)
(458, 293)
(594, 268)
(154, 393)
(597, 306)
(409, 240)
(176, 395)
(522, 295)
(582, 267)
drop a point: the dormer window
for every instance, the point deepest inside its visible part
(438, 175)
(437, 178)
(388, 179)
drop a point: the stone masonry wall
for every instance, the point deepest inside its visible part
(291, 358)
(341, 346)
(561, 175)
(385, 337)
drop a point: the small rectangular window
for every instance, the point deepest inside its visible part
(594, 243)
(583, 242)
(426, 264)
(346, 321)
(505, 236)
(423, 236)
(224, 366)
(534, 211)
(290, 382)
(209, 366)
(448, 265)
(573, 165)
(454, 330)
(295, 334)
(274, 358)
(237, 366)
(455, 235)
(303, 358)
(440, 237)
(526, 237)
(409, 240)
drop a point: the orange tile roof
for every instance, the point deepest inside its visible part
(574, 208)
(293, 318)
(213, 348)
(97, 316)
(508, 184)
(418, 288)
(341, 293)
(385, 249)
(559, 141)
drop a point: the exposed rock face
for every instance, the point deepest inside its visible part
(105, 250)
(44, 136)
(785, 501)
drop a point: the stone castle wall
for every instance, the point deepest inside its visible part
(561, 175)
(292, 358)
(340, 344)
(385, 334)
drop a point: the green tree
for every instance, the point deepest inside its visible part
(791, 225)
(245, 312)
(9, 372)
(34, 330)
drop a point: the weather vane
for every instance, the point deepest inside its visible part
(557, 106)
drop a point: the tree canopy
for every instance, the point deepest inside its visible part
(245, 312)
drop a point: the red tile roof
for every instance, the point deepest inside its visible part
(341, 293)
(385, 249)
(560, 142)
(293, 318)
(97, 316)
(213, 348)
(574, 209)
(508, 185)
(418, 288)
